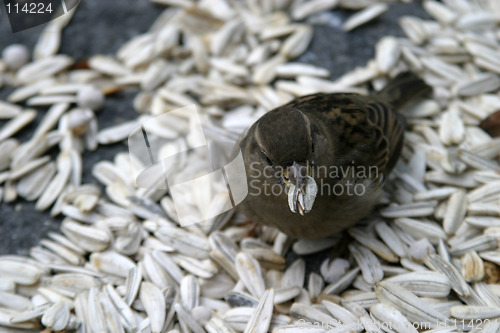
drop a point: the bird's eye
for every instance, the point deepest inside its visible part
(266, 158)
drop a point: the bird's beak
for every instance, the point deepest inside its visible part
(302, 188)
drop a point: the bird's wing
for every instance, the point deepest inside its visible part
(365, 128)
(389, 134)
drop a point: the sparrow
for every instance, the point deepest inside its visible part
(316, 165)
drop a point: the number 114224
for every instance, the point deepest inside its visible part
(29, 8)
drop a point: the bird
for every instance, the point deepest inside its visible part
(317, 165)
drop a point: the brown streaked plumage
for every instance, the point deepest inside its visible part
(326, 137)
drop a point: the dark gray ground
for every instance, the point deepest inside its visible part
(101, 26)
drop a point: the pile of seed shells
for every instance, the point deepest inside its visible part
(429, 260)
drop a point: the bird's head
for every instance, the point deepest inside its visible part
(283, 138)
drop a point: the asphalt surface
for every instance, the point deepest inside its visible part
(101, 27)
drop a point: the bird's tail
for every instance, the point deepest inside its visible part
(404, 88)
